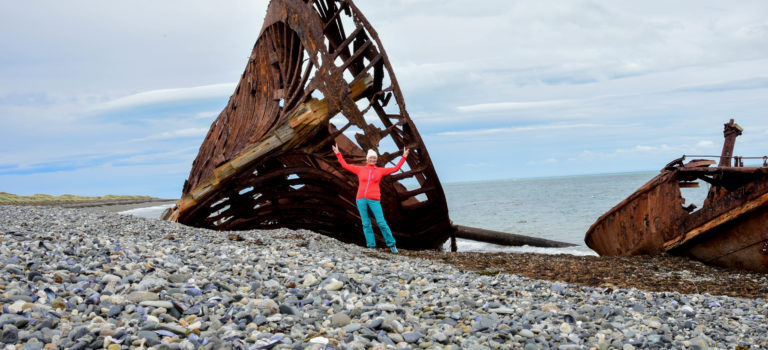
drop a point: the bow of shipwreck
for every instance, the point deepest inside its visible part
(318, 75)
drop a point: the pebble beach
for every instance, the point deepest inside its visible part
(90, 279)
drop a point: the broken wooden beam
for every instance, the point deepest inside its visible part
(298, 128)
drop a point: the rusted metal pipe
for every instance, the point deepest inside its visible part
(503, 238)
(731, 130)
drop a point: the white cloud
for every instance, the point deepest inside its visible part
(210, 115)
(662, 150)
(502, 106)
(516, 129)
(175, 134)
(705, 144)
(172, 156)
(169, 95)
(643, 148)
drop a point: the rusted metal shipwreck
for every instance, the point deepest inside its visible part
(318, 75)
(731, 228)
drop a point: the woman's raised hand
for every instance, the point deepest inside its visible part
(405, 152)
(335, 149)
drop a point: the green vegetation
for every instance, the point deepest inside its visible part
(10, 198)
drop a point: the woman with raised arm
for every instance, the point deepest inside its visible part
(369, 195)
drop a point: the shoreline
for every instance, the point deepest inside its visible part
(113, 206)
(657, 273)
(120, 207)
(93, 279)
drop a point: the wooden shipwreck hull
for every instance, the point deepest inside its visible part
(318, 75)
(731, 228)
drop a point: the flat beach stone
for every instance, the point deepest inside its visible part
(333, 285)
(111, 278)
(151, 283)
(140, 296)
(157, 303)
(526, 333)
(412, 337)
(352, 327)
(340, 320)
(151, 337)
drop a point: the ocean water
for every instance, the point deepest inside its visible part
(556, 208)
(148, 212)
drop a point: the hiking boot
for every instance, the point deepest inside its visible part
(394, 250)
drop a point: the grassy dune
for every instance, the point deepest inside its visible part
(10, 198)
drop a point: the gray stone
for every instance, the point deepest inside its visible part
(412, 337)
(569, 347)
(340, 319)
(114, 310)
(688, 310)
(172, 328)
(376, 323)
(287, 309)
(151, 337)
(78, 333)
(110, 278)
(352, 327)
(179, 277)
(33, 344)
(138, 297)
(16, 320)
(526, 333)
(484, 324)
(157, 303)
(151, 283)
(502, 310)
(271, 284)
(440, 337)
(9, 335)
(268, 307)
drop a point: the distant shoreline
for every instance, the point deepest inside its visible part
(527, 178)
(113, 206)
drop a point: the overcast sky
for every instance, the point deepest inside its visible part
(101, 97)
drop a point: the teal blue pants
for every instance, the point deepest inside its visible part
(375, 206)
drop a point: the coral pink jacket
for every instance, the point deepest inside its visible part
(369, 177)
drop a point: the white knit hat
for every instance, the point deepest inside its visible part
(371, 153)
